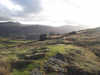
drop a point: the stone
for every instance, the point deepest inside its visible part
(36, 72)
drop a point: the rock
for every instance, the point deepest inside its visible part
(43, 37)
(74, 62)
(76, 71)
(35, 56)
(56, 64)
(59, 56)
(36, 72)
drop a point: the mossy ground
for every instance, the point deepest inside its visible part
(15, 50)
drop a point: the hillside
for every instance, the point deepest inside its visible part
(75, 53)
(89, 38)
(17, 30)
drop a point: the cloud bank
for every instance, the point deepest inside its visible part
(18, 8)
(51, 12)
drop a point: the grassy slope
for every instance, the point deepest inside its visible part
(84, 46)
(11, 50)
(89, 38)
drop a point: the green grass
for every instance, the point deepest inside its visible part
(2, 45)
(61, 48)
(19, 41)
(54, 49)
(16, 72)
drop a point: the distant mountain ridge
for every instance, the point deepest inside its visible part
(15, 29)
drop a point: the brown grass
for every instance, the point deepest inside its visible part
(4, 68)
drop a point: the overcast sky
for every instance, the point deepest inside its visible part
(52, 12)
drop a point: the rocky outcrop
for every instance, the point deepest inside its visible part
(73, 63)
(35, 56)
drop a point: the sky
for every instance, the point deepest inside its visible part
(52, 12)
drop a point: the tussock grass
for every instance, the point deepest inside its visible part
(4, 68)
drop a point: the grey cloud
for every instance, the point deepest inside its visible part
(29, 7)
(4, 13)
(4, 19)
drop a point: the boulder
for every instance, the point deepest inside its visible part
(36, 72)
(56, 64)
